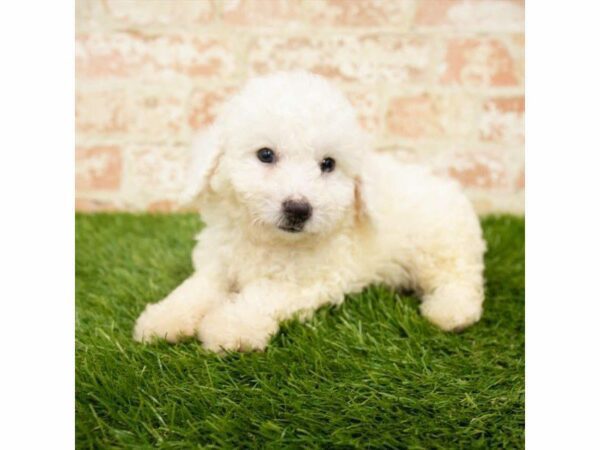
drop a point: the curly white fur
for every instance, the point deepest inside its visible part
(374, 221)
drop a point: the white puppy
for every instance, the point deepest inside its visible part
(299, 211)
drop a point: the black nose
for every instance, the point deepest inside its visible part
(297, 211)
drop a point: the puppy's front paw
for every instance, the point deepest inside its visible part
(231, 328)
(159, 321)
(453, 308)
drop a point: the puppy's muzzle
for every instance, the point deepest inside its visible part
(295, 214)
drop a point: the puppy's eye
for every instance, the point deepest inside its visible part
(328, 165)
(266, 155)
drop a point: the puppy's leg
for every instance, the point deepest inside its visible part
(452, 292)
(179, 314)
(453, 306)
(253, 317)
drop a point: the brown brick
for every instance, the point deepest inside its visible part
(162, 206)
(169, 13)
(262, 13)
(148, 115)
(169, 206)
(204, 105)
(367, 108)
(480, 62)
(503, 120)
(155, 173)
(520, 183)
(95, 205)
(428, 116)
(98, 169)
(471, 15)
(132, 54)
(368, 58)
(475, 169)
(360, 13)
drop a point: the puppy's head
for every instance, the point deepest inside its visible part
(283, 157)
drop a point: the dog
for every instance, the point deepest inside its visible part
(300, 211)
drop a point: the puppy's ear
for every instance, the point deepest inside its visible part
(360, 207)
(206, 152)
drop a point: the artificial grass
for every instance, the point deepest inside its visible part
(371, 373)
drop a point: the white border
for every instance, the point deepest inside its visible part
(563, 225)
(37, 237)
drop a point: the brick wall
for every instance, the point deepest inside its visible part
(436, 81)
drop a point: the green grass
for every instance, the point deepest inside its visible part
(371, 373)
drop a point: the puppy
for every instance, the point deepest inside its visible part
(300, 211)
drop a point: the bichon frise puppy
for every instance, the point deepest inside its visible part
(300, 211)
